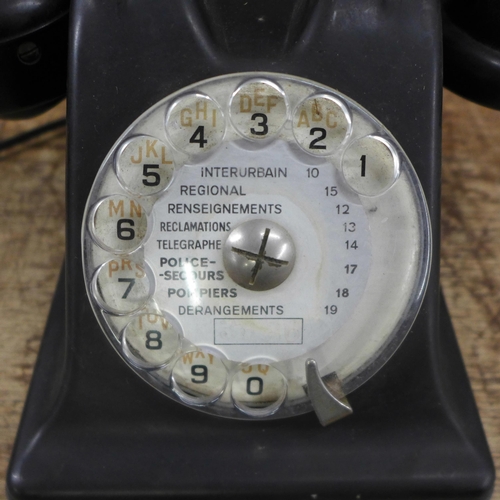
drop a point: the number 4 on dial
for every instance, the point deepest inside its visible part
(199, 137)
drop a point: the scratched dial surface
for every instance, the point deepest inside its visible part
(249, 223)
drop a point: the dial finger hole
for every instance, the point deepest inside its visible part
(258, 109)
(258, 389)
(151, 340)
(119, 224)
(321, 123)
(144, 165)
(199, 377)
(195, 124)
(370, 165)
(123, 285)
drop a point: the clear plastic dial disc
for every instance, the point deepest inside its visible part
(249, 226)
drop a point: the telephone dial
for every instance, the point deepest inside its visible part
(253, 229)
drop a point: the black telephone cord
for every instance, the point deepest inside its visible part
(31, 134)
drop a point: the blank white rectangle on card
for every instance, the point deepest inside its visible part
(258, 331)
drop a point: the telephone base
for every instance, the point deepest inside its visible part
(91, 428)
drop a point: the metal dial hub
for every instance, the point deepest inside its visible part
(259, 254)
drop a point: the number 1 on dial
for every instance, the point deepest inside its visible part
(363, 165)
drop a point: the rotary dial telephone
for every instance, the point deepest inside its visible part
(253, 230)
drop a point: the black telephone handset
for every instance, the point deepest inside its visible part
(33, 56)
(253, 226)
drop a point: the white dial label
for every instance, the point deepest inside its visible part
(186, 252)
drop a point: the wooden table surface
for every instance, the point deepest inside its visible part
(32, 210)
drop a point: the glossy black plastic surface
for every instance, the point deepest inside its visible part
(471, 46)
(93, 429)
(19, 18)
